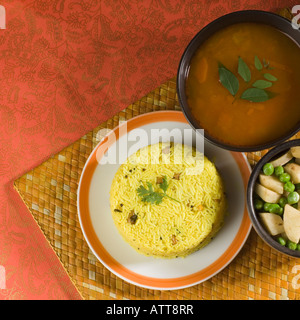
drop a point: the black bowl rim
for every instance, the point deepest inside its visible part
(184, 108)
(250, 189)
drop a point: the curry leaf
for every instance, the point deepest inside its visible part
(265, 63)
(244, 70)
(270, 77)
(256, 90)
(262, 84)
(255, 95)
(257, 63)
(228, 80)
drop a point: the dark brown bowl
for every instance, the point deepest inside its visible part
(271, 155)
(263, 17)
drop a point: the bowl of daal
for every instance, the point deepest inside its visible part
(238, 79)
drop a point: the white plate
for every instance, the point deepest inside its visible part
(119, 257)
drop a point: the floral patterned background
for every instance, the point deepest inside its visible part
(65, 67)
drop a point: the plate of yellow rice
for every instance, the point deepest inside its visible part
(159, 207)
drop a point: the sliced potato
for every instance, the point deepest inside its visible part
(295, 151)
(266, 194)
(291, 223)
(294, 170)
(272, 222)
(272, 183)
(283, 159)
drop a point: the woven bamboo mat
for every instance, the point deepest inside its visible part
(50, 190)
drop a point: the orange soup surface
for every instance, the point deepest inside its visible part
(229, 118)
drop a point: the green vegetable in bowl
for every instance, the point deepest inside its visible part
(277, 199)
(278, 171)
(283, 201)
(282, 241)
(293, 197)
(267, 206)
(274, 208)
(258, 204)
(289, 186)
(268, 169)
(291, 245)
(284, 177)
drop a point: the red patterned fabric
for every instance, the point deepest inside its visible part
(65, 67)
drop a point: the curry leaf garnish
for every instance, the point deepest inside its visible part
(257, 63)
(262, 84)
(228, 80)
(244, 70)
(255, 92)
(267, 65)
(255, 95)
(270, 77)
(154, 197)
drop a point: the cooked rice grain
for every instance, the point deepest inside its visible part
(169, 229)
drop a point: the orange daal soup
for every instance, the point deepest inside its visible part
(229, 118)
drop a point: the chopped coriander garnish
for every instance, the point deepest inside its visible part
(154, 197)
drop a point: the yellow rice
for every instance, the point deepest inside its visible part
(169, 229)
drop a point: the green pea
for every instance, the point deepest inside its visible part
(274, 208)
(289, 186)
(283, 201)
(291, 245)
(298, 246)
(258, 204)
(293, 197)
(297, 186)
(295, 205)
(280, 211)
(284, 177)
(267, 206)
(281, 241)
(278, 171)
(268, 169)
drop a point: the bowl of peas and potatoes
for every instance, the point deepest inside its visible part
(273, 198)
